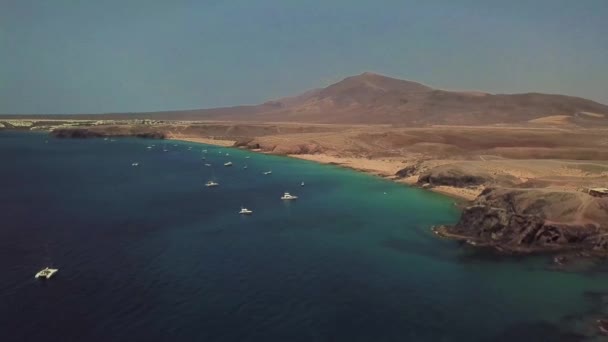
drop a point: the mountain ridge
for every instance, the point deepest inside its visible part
(371, 98)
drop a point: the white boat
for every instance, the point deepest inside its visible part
(227, 154)
(244, 167)
(302, 184)
(247, 157)
(204, 151)
(46, 273)
(207, 164)
(267, 172)
(211, 183)
(228, 164)
(245, 211)
(288, 197)
(134, 164)
(149, 147)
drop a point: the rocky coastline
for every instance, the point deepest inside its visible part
(85, 133)
(516, 221)
(498, 212)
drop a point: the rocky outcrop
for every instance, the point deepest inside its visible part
(151, 135)
(309, 148)
(529, 221)
(75, 133)
(84, 133)
(281, 149)
(453, 176)
(243, 142)
(409, 171)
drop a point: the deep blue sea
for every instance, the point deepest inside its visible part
(148, 253)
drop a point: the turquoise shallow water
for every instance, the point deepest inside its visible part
(148, 253)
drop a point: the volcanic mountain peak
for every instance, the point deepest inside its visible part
(377, 83)
(370, 98)
(367, 89)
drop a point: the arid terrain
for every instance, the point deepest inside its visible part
(524, 163)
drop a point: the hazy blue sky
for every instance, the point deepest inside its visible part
(69, 56)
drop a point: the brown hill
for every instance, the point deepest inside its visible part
(374, 99)
(370, 98)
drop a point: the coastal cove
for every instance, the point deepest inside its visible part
(352, 259)
(385, 169)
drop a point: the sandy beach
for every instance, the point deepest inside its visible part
(209, 141)
(382, 168)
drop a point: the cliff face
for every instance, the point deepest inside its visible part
(452, 176)
(528, 221)
(84, 133)
(76, 133)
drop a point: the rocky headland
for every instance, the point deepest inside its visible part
(526, 221)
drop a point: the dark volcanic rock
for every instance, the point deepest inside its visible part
(77, 133)
(408, 171)
(151, 135)
(253, 145)
(520, 232)
(452, 176)
(83, 133)
(309, 148)
(517, 221)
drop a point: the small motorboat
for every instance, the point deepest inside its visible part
(267, 172)
(211, 183)
(46, 273)
(207, 164)
(288, 197)
(228, 164)
(135, 164)
(302, 184)
(245, 211)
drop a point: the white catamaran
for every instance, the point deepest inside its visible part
(46, 273)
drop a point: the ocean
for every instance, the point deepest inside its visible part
(148, 253)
